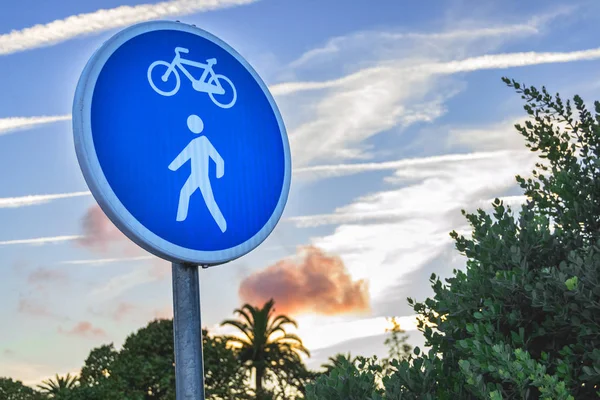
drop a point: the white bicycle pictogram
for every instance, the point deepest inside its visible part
(212, 86)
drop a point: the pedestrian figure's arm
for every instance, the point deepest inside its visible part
(214, 154)
(180, 159)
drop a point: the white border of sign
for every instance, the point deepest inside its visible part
(98, 184)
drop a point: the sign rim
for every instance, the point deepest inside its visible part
(101, 189)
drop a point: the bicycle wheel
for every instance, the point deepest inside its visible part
(166, 84)
(228, 88)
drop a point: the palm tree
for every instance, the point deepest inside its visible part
(265, 345)
(57, 385)
(337, 361)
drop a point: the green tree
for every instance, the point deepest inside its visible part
(16, 390)
(266, 347)
(58, 386)
(522, 321)
(144, 368)
(95, 381)
(98, 366)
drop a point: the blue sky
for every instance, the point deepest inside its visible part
(397, 120)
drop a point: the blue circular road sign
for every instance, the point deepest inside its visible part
(181, 143)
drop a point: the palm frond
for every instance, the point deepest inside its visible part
(247, 312)
(245, 329)
(284, 319)
(235, 339)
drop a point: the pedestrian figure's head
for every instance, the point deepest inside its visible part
(195, 124)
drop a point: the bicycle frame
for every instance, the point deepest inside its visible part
(180, 62)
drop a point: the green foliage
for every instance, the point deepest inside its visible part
(522, 321)
(144, 368)
(15, 390)
(98, 365)
(58, 387)
(349, 380)
(268, 350)
(337, 361)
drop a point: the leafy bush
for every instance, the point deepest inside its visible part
(349, 380)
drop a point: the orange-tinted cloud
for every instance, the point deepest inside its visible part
(100, 234)
(84, 329)
(318, 283)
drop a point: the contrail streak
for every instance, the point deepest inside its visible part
(107, 260)
(32, 200)
(40, 241)
(492, 61)
(345, 169)
(73, 26)
(12, 124)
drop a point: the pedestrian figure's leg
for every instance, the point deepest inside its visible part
(209, 199)
(184, 199)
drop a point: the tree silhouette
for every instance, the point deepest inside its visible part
(58, 385)
(16, 390)
(266, 347)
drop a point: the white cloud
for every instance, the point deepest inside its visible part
(388, 90)
(492, 137)
(366, 103)
(12, 124)
(31, 200)
(101, 20)
(424, 211)
(467, 32)
(41, 241)
(318, 332)
(337, 45)
(346, 217)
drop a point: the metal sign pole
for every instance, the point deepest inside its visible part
(187, 332)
